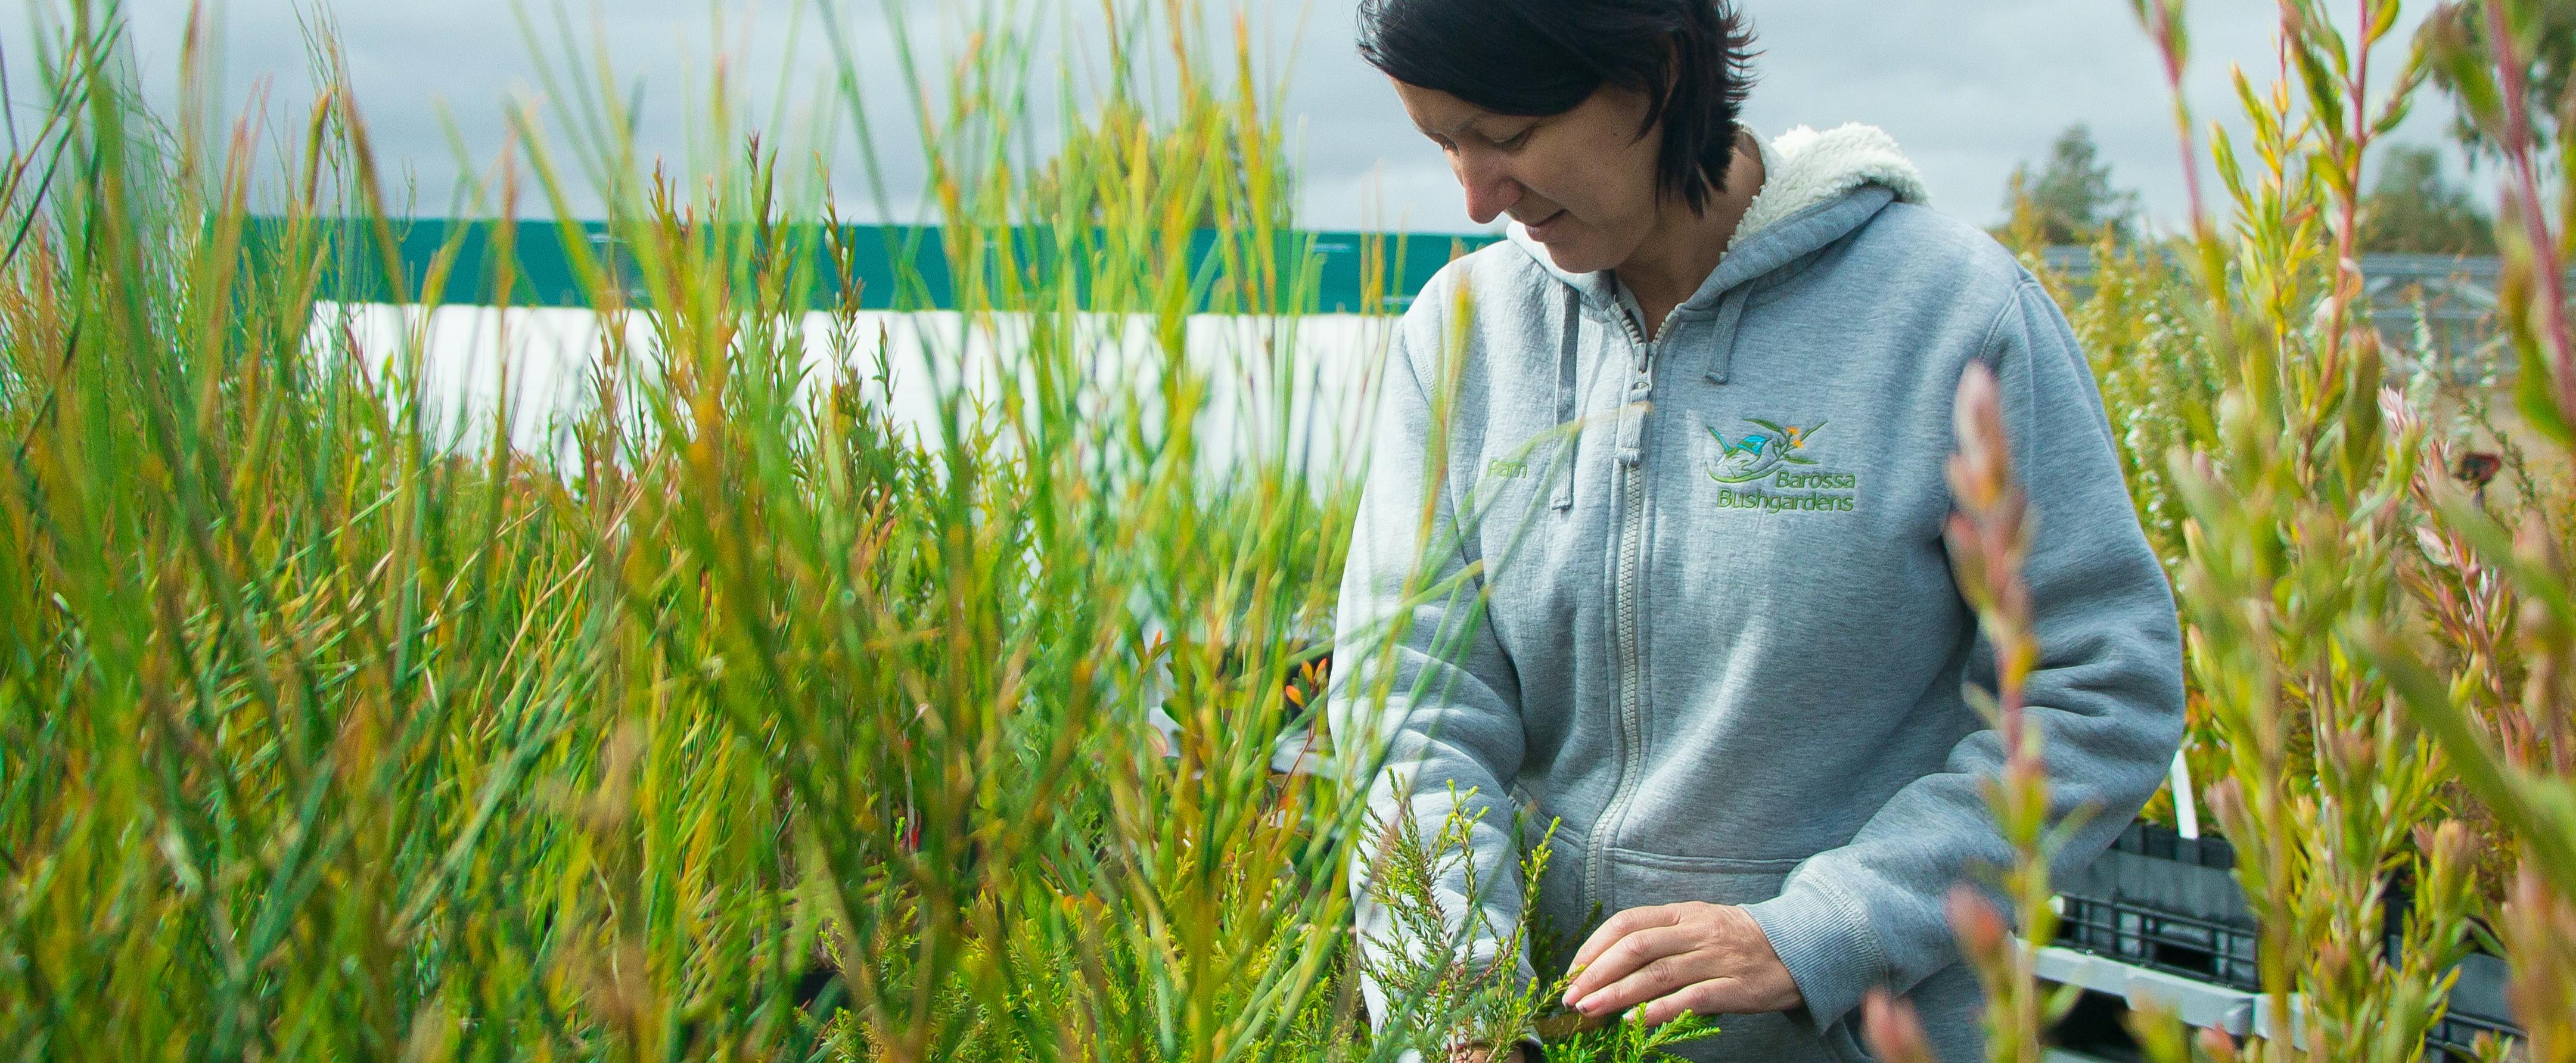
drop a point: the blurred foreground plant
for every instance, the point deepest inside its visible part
(2512, 747)
(2297, 527)
(1989, 538)
(755, 722)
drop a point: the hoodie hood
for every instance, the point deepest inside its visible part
(1816, 188)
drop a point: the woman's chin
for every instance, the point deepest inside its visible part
(1575, 258)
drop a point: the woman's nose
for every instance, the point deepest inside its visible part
(1490, 190)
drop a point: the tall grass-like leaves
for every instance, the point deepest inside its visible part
(753, 724)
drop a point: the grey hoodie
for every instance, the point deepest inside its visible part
(1710, 621)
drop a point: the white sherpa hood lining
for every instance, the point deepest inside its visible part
(1804, 168)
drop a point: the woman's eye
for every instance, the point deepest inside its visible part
(1516, 142)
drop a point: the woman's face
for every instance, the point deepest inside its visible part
(1583, 181)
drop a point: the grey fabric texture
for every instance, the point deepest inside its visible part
(1688, 595)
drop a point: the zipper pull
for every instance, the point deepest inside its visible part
(1632, 421)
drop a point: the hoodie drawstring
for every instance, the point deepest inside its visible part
(1563, 499)
(1730, 316)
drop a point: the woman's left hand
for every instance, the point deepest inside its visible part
(1708, 959)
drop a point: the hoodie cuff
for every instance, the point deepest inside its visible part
(1825, 941)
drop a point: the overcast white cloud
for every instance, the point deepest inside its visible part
(1969, 87)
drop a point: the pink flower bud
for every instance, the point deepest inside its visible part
(1981, 930)
(1893, 1030)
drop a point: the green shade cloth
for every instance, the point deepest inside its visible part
(1337, 266)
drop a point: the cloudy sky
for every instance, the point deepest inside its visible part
(1969, 87)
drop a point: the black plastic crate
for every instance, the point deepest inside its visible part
(2164, 902)
(2478, 1005)
(2478, 1002)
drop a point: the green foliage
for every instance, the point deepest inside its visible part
(2139, 322)
(2509, 722)
(1426, 968)
(327, 735)
(1629, 1039)
(1453, 1001)
(2140, 319)
(2324, 792)
(2306, 516)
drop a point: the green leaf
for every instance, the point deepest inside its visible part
(2536, 395)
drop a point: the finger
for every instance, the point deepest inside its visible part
(1618, 926)
(1620, 960)
(1649, 981)
(1714, 996)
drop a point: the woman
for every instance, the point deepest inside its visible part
(1679, 443)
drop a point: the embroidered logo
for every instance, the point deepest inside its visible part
(1778, 457)
(1760, 452)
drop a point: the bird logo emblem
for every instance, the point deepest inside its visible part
(1759, 453)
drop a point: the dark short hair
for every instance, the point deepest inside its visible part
(1691, 59)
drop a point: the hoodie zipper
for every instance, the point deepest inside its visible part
(1625, 636)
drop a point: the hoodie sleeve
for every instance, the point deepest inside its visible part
(1425, 676)
(2107, 693)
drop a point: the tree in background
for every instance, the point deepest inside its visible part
(2548, 33)
(2072, 201)
(2414, 209)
